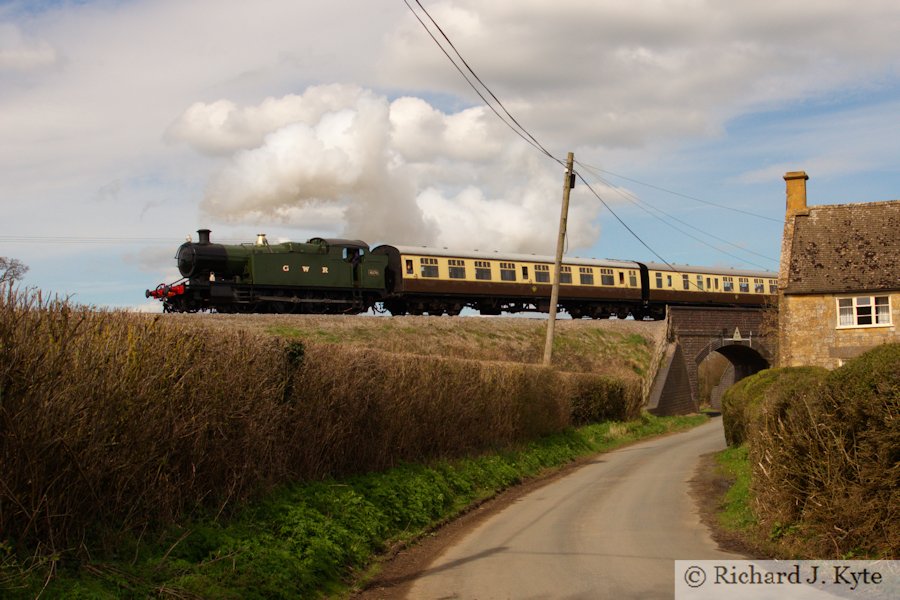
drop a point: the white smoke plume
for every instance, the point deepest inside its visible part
(342, 158)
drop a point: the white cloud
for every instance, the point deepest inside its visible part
(21, 52)
(621, 73)
(384, 171)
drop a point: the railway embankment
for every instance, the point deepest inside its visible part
(815, 457)
(117, 428)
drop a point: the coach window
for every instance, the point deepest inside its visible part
(409, 267)
(429, 267)
(632, 278)
(542, 273)
(709, 287)
(524, 272)
(606, 277)
(483, 270)
(507, 271)
(586, 275)
(728, 284)
(700, 282)
(457, 268)
(659, 280)
(716, 282)
(744, 284)
(668, 281)
(759, 286)
(565, 275)
(773, 287)
(685, 282)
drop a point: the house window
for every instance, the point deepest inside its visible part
(457, 268)
(744, 285)
(542, 273)
(483, 270)
(565, 275)
(864, 311)
(507, 271)
(759, 286)
(659, 280)
(429, 267)
(587, 275)
(728, 284)
(606, 277)
(685, 282)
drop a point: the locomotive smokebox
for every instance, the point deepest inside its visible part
(203, 237)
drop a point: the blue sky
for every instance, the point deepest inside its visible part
(128, 125)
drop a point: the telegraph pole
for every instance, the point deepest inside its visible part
(568, 184)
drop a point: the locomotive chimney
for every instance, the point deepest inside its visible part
(261, 239)
(796, 191)
(204, 237)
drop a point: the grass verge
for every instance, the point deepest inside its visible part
(315, 539)
(736, 514)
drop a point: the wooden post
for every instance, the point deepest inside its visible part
(568, 184)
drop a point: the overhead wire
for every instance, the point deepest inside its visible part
(674, 193)
(515, 126)
(647, 207)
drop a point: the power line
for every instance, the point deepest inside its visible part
(518, 129)
(674, 193)
(646, 207)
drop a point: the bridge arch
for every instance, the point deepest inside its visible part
(743, 361)
(692, 334)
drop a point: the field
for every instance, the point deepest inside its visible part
(608, 347)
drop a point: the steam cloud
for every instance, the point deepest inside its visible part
(344, 159)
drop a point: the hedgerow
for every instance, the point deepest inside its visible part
(115, 423)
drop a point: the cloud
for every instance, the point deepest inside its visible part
(619, 74)
(327, 158)
(22, 52)
(342, 156)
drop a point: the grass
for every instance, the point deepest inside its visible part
(608, 347)
(318, 538)
(736, 514)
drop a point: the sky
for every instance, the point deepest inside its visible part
(126, 125)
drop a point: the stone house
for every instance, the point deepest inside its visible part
(839, 283)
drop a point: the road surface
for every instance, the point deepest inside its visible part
(611, 529)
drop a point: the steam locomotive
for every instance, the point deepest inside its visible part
(338, 276)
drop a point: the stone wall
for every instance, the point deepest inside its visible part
(808, 333)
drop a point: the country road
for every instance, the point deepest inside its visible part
(610, 529)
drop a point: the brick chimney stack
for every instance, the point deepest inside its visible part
(796, 191)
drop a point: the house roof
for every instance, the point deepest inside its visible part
(845, 248)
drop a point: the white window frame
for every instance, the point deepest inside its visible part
(855, 314)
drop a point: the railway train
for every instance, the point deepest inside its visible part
(336, 276)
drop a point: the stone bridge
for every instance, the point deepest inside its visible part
(692, 334)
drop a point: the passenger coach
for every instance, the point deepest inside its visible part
(421, 280)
